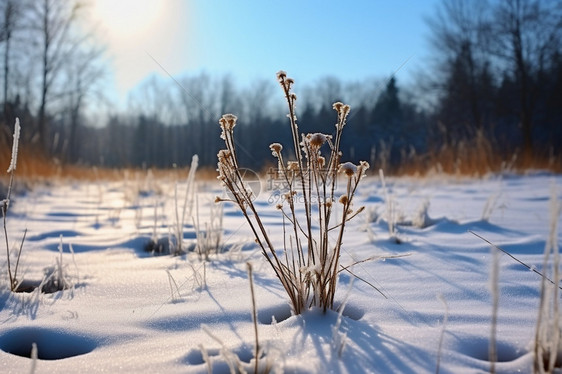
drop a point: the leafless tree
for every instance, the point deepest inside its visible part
(10, 11)
(85, 69)
(523, 35)
(53, 23)
(458, 34)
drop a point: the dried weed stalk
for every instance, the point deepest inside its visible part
(4, 206)
(309, 264)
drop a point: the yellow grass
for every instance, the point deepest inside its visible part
(476, 158)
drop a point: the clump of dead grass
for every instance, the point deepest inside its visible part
(309, 265)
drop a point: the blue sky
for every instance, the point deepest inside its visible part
(252, 39)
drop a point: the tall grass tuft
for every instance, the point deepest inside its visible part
(186, 206)
(309, 265)
(5, 205)
(209, 233)
(548, 350)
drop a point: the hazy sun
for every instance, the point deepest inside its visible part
(125, 18)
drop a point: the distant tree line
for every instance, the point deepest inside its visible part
(170, 124)
(495, 75)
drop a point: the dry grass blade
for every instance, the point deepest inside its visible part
(515, 258)
(254, 317)
(5, 204)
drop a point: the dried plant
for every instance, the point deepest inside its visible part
(4, 206)
(547, 345)
(309, 265)
(186, 207)
(57, 277)
(209, 234)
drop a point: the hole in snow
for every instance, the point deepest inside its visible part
(283, 312)
(51, 285)
(279, 313)
(478, 348)
(51, 344)
(244, 353)
(194, 357)
(27, 286)
(350, 311)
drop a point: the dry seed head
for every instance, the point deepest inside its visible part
(316, 140)
(343, 199)
(362, 169)
(289, 82)
(223, 155)
(348, 168)
(228, 121)
(279, 206)
(321, 161)
(341, 108)
(345, 110)
(337, 106)
(293, 166)
(275, 148)
(281, 75)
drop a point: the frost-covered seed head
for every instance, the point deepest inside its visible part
(228, 121)
(348, 169)
(343, 111)
(321, 161)
(362, 169)
(223, 155)
(275, 148)
(281, 75)
(337, 106)
(341, 108)
(292, 166)
(316, 140)
(289, 82)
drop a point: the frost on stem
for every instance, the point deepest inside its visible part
(14, 160)
(343, 111)
(227, 123)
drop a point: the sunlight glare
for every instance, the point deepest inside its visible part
(126, 18)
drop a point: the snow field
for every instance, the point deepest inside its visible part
(131, 311)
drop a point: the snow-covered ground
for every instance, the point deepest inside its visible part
(130, 311)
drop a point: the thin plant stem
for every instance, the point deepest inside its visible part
(6, 204)
(516, 259)
(254, 316)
